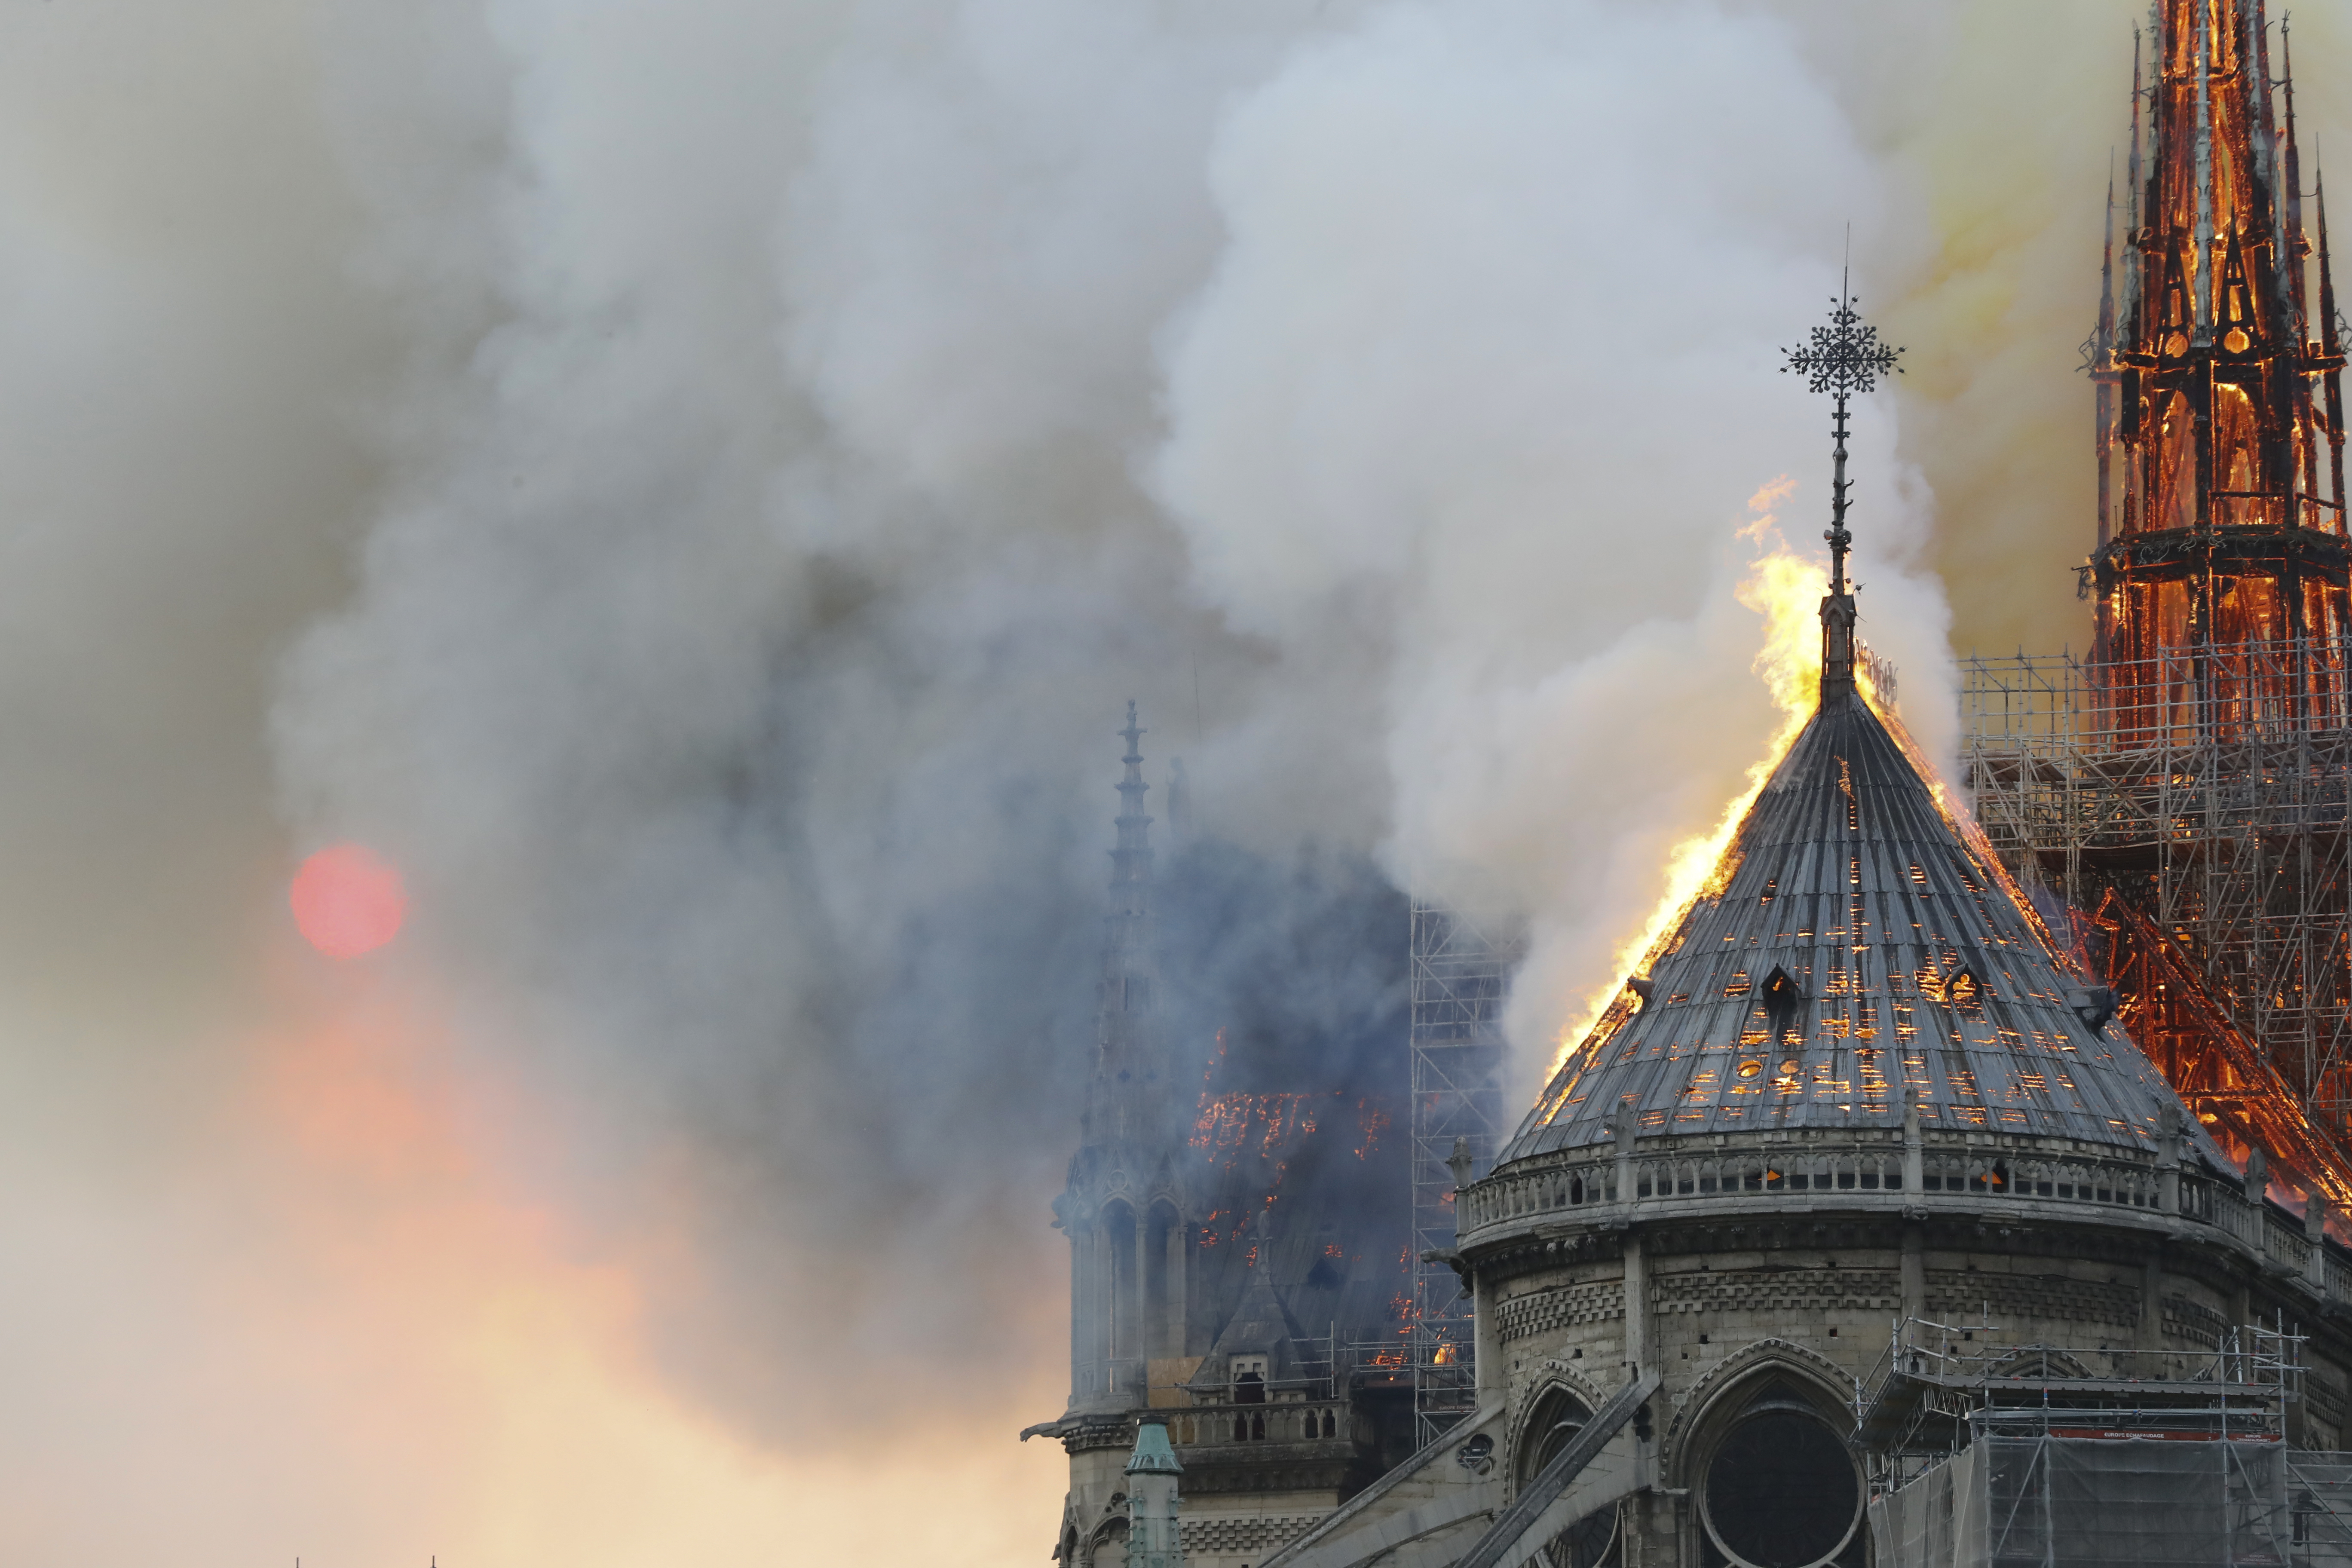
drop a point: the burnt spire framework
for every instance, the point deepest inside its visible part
(2220, 436)
(2187, 785)
(1844, 358)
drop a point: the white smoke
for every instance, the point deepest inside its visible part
(1488, 363)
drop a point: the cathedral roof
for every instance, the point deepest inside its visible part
(1852, 945)
(1261, 1325)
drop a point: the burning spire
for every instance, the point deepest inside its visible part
(1843, 359)
(2208, 883)
(2218, 396)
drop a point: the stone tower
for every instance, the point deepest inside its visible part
(1123, 1208)
(1227, 1280)
(1123, 1202)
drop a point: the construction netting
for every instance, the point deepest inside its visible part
(2041, 1501)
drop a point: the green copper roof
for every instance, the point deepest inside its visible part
(1152, 1453)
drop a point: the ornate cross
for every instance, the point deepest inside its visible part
(1842, 358)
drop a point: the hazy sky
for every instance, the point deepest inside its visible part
(692, 484)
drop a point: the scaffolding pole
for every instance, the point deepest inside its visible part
(1461, 972)
(2208, 793)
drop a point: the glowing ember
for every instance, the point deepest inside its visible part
(347, 900)
(1230, 1123)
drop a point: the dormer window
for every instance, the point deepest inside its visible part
(1248, 1374)
(1781, 999)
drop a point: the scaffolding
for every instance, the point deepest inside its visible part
(2191, 810)
(1936, 1380)
(1984, 1453)
(1461, 972)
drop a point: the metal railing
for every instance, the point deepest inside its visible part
(2251, 1362)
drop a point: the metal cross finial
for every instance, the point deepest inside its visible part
(1842, 358)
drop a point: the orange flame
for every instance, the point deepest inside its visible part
(1785, 589)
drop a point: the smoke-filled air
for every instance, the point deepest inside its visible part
(569, 577)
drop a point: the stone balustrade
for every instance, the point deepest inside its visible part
(1280, 1421)
(1596, 1186)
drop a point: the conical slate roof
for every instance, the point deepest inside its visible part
(1852, 945)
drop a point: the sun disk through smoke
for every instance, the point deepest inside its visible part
(347, 900)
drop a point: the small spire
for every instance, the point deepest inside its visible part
(2099, 357)
(2132, 178)
(1154, 1537)
(2331, 344)
(2295, 254)
(2204, 333)
(1125, 1101)
(2330, 341)
(1131, 860)
(2103, 355)
(2297, 247)
(2131, 169)
(1842, 358)
(2254, 71)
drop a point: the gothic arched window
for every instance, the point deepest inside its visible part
(1780, 1489)
(1119, 1284)
(1590, 1541)
(1163, 1281)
